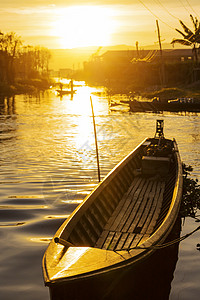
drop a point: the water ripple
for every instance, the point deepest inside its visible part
(48, 166)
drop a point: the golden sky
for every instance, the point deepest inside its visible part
(70, 24)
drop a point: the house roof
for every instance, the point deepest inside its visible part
(143, 53)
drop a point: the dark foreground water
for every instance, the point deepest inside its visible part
(48, 166)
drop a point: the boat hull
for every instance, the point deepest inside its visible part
(119, 225)
(65, 92)
(146, 106)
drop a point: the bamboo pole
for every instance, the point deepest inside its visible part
(95, 135)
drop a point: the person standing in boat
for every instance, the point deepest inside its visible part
(61, 86)
(72, 85)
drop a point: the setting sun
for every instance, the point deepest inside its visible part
(83, 26)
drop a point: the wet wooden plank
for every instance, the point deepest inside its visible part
(142, 210)
(122, 184)
(153, 206)
(102, 239)
(104, 202)
(157, 210)
(129, 241)
(143, 239)
(96, 215)
(127, 207)
(83, 235)
(93, 223)
(118, 194)
(115, 241)
(133, 208)
(112, 194)
(122, 241)
(134, 184)
(108, 240)
(130, 173)
(88, 231)
(136, 210)
(126, 176)
(138, 161)
(137, 238)
(104, 207)
(75, 238)
(151, 197)
(102, 211)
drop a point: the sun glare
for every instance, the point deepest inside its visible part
(83, 26)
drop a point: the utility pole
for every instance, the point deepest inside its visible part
(161, 57)
(137, 50)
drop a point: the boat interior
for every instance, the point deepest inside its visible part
(131, 202)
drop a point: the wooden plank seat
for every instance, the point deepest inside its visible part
(135, 217)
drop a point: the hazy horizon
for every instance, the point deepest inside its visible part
(74, 58)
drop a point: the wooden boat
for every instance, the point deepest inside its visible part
(65, 92)
(124, 220)
(177, 105)
(62, 92)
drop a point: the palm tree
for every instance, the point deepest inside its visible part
(190, 38)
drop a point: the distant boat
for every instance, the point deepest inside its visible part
(175, 105)
(124, 220)
(62, 92)
(65, 92)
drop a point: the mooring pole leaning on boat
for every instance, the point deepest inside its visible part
(95, 135)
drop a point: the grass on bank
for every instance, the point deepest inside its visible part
(191, 90)
(167, 93)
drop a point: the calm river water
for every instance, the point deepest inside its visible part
(48, 166)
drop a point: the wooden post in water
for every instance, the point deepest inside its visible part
(95, 135)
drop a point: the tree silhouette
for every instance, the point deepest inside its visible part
(9, 47)
(190, 38)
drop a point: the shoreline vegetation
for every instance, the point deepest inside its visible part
(28, 86)
(24, 69)
(191, 90)
(163, 93)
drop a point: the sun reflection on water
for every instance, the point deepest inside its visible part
(80, 109)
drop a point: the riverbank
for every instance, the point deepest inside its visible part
(124, 86)
(164, 94)
(25, 86)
